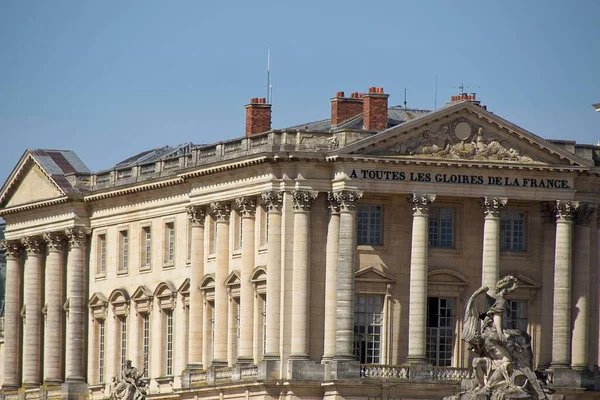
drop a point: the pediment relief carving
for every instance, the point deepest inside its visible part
(462, 139)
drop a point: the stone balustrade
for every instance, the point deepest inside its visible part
(414, 373)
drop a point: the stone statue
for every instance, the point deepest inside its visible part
(503, 361)
(129, 385)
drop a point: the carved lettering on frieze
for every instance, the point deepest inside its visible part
(303, 199)
(273, 200)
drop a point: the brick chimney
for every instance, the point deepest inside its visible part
(258, 116)
(375, 109)
(471, 98)
(343, 108)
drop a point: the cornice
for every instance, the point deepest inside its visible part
(134, 189)
(33, 206)
(221, 168)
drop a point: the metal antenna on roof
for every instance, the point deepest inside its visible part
(462, 87)
(435, 97)
(269, 76)
(405, 98)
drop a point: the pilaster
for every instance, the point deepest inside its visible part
(197, 217)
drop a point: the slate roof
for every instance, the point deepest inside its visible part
(57, 164)
(156, 154)
(396, 115)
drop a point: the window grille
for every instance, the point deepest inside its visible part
(440, 331)
(370, 225)
(441, 228)
(368, 325)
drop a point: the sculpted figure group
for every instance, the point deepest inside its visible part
(128, 385)
(503, 362)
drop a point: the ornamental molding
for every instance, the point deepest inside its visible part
(331, 203)
(196, 215)
(246, 206)
(303, 200)
(347, 199)
(492, 206)
(565, 210)
(584, 214)
(221, 211)
(273, 200)
(33, 245)
(11, 247)
(77, 235)
(55, 241)
(421, 202)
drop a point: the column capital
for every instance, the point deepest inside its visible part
(77, 235)
(547, 209)
(33, 245)
(246, 205)
(196, 215)
(55, 241)
(220, 210)
(347, 199)
(331, 203)
(12, 248)
(303, 199)
(492, 206)
(565, 210)
(420, 202)
(584, 214)
(273, 200)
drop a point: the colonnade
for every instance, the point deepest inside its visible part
(26, 261)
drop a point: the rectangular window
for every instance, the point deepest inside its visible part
(146, 246)
(370, 227)
(440, 331)
(123, 251)
(189, 240)
(516, 314)
(441, 228)
(101, 340)
(101, 254)
(169, 343)
(512, 231)
(145, 341)
(264, 323)
(169, 243)
(368, 325)
(123, 322)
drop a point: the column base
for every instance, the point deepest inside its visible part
(417, 360)
(245, 360)
(305, 370)
(219, 363)
(570, 378)
(299, 356)
(75, 391)
(194, 365)
(343, 369)
(52, 382)
(30, 385)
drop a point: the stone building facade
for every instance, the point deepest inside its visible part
(328, 260)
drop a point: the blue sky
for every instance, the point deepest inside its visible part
(108, 79)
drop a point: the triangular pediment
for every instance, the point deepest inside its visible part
(463, 132)
(373, 274)
(446, 277)
(33, 185)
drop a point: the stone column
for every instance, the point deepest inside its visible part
(273, 202)
(53, 344)
(303, 201)
(197, 216)
(547, 289)
(76, 293)
(331, 271)
(12, 318)
(206, 333)
(344, 325)
(490, 270)
(417, 312)
(247, 208)
(561, 338)
(221, 212)
(581, 286)
(32, 333)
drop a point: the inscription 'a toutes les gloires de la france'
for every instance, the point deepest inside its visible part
(461, 179)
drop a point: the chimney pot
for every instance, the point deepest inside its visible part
(484, 107)
(339, 94)
(343, 108)
(372, 89)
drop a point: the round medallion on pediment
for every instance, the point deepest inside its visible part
(462, 130)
